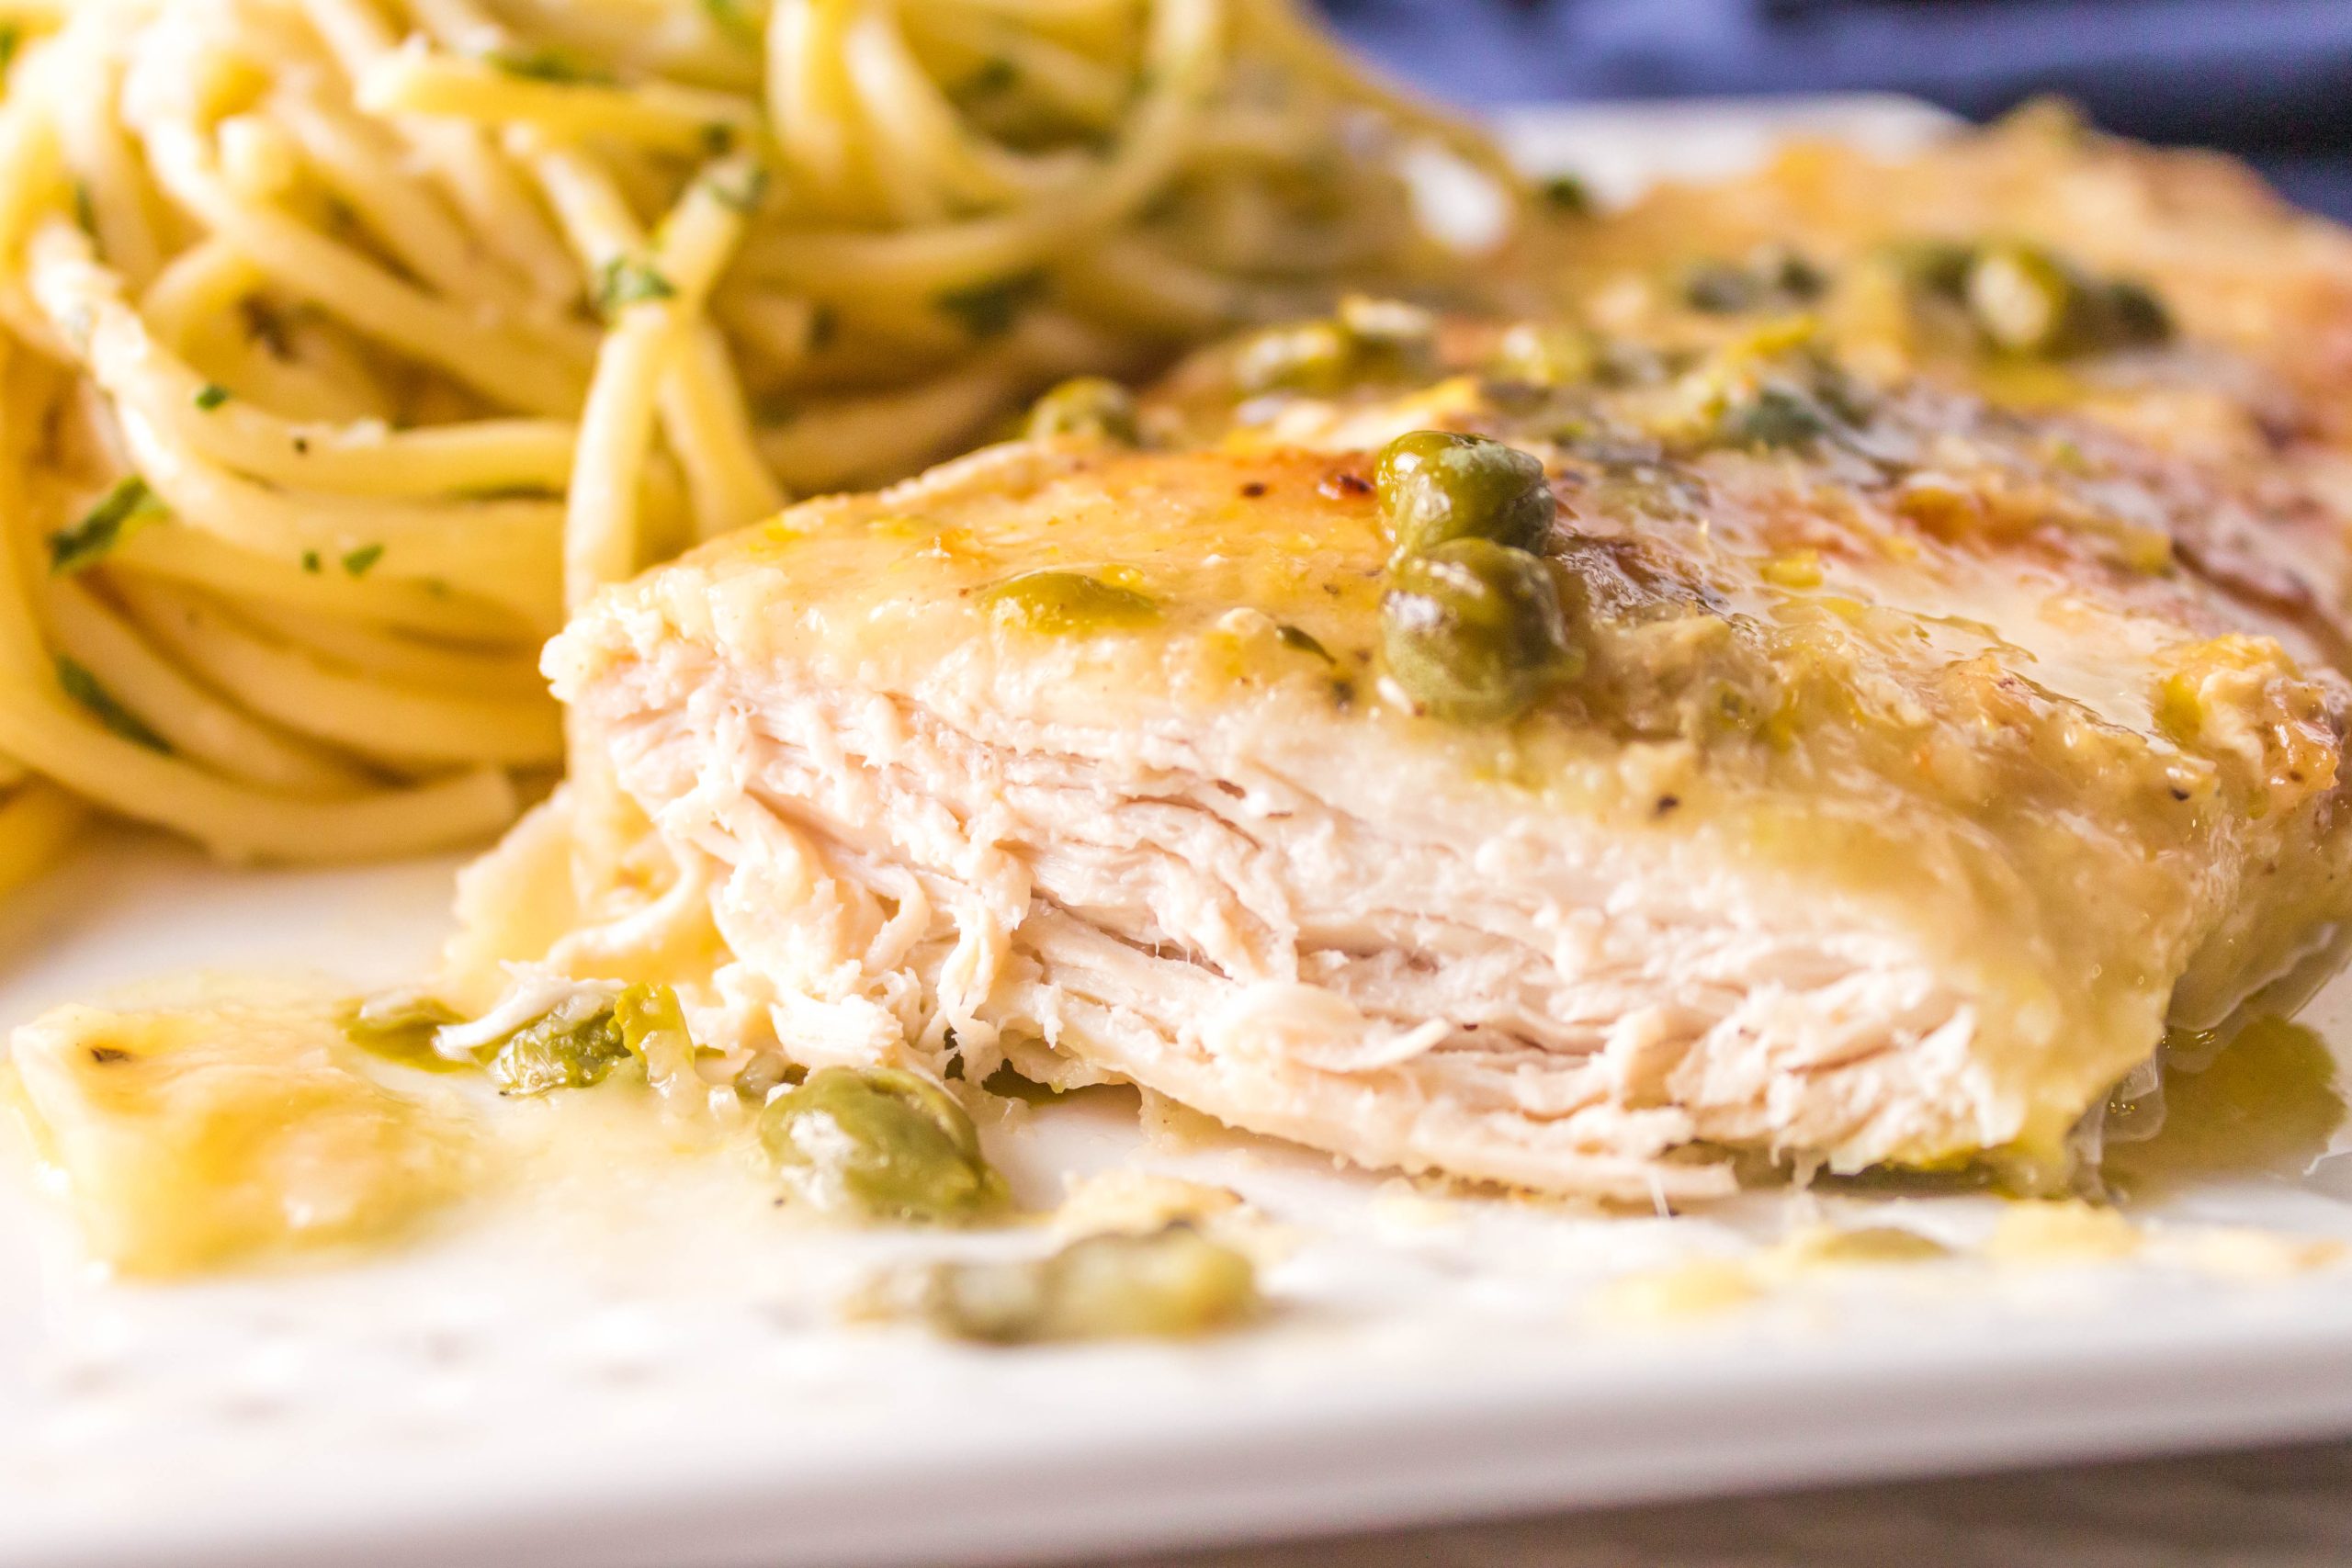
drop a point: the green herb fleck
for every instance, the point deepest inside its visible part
(86, 689)
(106, 524)
(1305, 642)
(512, 492)
(311, 563)
(359, 560)
(988, 310)
(737, 17)
(84, 210)
(1568, 194)
(623, 281)
(546, 64)
(12, 38)
(742, 196)
(211, 396)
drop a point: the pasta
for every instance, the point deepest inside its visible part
(346, 345)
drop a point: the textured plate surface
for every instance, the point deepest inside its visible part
(628, 1359)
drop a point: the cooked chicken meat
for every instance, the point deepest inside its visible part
(1849, 775)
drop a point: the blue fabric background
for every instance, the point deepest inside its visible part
(2270, 80)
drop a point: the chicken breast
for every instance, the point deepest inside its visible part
(2259, 293)
(1901, 766)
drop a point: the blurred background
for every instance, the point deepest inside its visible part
(2268, 79)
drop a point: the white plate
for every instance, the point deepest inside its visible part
(641, 1363)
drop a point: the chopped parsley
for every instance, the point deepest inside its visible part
(547, 65)
(717, 137)
(623, 281)
(12, 38)
(85, 688)
(988, 310)
(1305, 642)
(311, 563)
(118, 514)
(358, 561)
(211, 396)
(85, 211)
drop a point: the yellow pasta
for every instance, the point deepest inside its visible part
(345, 343)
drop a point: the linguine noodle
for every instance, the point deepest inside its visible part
(345, 345)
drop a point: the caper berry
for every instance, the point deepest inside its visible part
(1086, 405)
(1173, 1283)
(882, 1143)
(1066, 604)
(1472, 630)
(1435, 486)
(572, 1046)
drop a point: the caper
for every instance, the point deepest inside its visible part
(1370, 340)
(1774, 415)
(1434, 486)
(882, 1143)
(1388, 326)
(653, 1030)
(2026, 300)
(1086, 405)
(1719, 288)
(649, 1017)
(1173, 1283)
(573, 1045)
(1066, 604)
(1309, 356)
(1546, 354)
(1472, 630)
(1791, 273)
